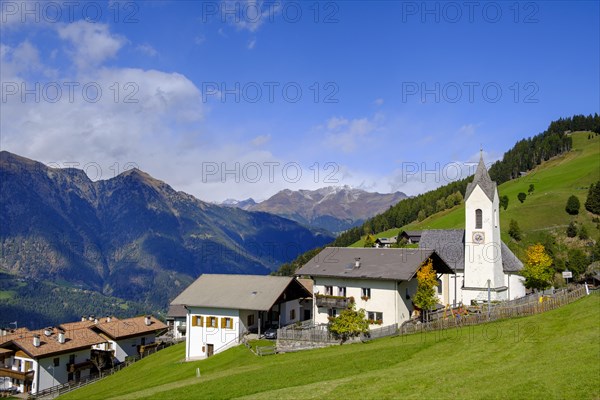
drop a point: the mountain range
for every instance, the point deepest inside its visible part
(333, 208)
(132, 237)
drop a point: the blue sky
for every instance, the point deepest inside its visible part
(243, 99)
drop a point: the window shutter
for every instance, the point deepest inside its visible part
(195, 320)
(222, 322)
(200, 321)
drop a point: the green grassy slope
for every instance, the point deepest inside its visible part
(554, 181)
(555, 355)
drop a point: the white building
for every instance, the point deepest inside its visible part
(477, 254)
(382, 281)
(128, 337)
(38, 360)
(176, 321)
(32, 361)
(471, 263)
(222, 308)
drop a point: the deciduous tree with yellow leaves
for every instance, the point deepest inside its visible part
(538, 271)
(426, 298)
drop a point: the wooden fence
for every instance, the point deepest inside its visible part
(316, 333)
(535, 305)
(529, 305)
(389, 330)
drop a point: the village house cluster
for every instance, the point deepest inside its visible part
(32, 361)
(472, 265)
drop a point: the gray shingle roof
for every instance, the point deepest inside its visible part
(176, 311)
(450, 245)
(482, 178)
(243, 292)
(385, 264)
(510, 262)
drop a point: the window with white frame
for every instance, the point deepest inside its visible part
(375, 316)
(328, 290)
(342, 291)
(365, 293)
(332, 312)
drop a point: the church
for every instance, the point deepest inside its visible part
(481, 261)
(471, 264)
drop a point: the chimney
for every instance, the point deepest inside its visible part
(357, 262)
(91, 318)
(36, 340)
(48, 331)
(61, 337)
(2, 332)
(95, 320)
(147, 320)
(108, 318)
(83, 318)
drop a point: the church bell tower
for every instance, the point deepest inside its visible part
(483, 254)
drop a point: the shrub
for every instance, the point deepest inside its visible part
(592, 203)
(583, 233)
(521, 196)
(514, 231)
(573, 205)
(572, 230)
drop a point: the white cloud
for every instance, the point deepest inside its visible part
(378, 102)
(91, 43)
(348, 135)
(250, 15)
(251, 44)
(468, 129)
(147, 49)
(261, 140)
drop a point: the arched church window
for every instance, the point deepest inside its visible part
(478, 219)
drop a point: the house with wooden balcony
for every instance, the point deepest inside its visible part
(382, 281)
(32, 361)
(37, 360)
(221, 309)
(128, 337)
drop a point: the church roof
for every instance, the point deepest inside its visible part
(510, 262)
(483, 180)
(450, 245)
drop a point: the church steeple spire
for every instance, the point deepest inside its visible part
(482, 179)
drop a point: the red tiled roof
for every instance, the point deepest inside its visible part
(129, 327)
(13, 334)
(75, 339)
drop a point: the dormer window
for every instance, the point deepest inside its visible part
(478, 219)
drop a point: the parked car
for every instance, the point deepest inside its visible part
(271, 333)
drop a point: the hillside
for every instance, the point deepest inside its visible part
(543, 211)
(131, 237)
(548, 356)
(333, 208)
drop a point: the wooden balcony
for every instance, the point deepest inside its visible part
(79, 366)
(10, 373)
(332, 301)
